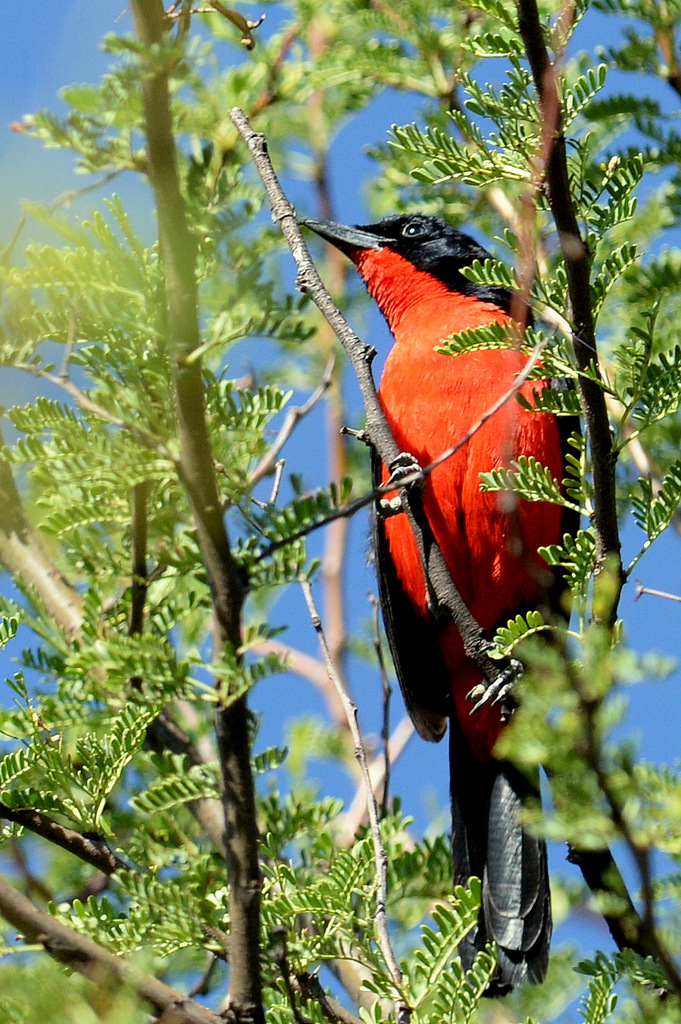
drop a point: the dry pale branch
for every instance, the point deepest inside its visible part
(356, 814)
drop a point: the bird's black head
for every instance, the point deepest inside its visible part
(428, 243)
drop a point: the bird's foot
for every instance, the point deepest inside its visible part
(404, 470)
(500, 692)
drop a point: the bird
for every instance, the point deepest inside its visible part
(411, 265)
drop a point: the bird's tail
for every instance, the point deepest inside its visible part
(488, 842)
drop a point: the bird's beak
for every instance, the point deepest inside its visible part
(345, 238)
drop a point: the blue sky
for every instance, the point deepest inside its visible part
(45, 46)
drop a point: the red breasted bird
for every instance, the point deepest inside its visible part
(411, 265)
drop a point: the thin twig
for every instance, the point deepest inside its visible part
(386, 693)
(380, 856)
(276, 483)
(641, 590)
(268, 463)
(138, 553)
(87, 405)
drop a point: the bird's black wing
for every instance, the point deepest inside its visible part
(413, 641)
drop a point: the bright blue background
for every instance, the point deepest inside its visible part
(45, 46)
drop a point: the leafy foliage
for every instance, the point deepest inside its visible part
(96, 452)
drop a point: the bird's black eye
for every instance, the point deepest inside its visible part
(413, 229)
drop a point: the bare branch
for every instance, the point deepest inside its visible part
(381, 859)
(23, 555)
(293, 417)
(85, 956)
(356, 814)
(641, 590)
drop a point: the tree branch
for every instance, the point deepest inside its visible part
(138, 556)
(93, 851)
(87, 957)
(627, 927)
(311, 988)
(577, 261)
(196, 468)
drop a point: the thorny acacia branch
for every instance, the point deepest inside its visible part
(179, 253)
(380, 856)
(87, 957)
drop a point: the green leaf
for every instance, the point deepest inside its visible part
(529, 480)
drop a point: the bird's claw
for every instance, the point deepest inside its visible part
(388, 507)
(404, 466)
(500, 692)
